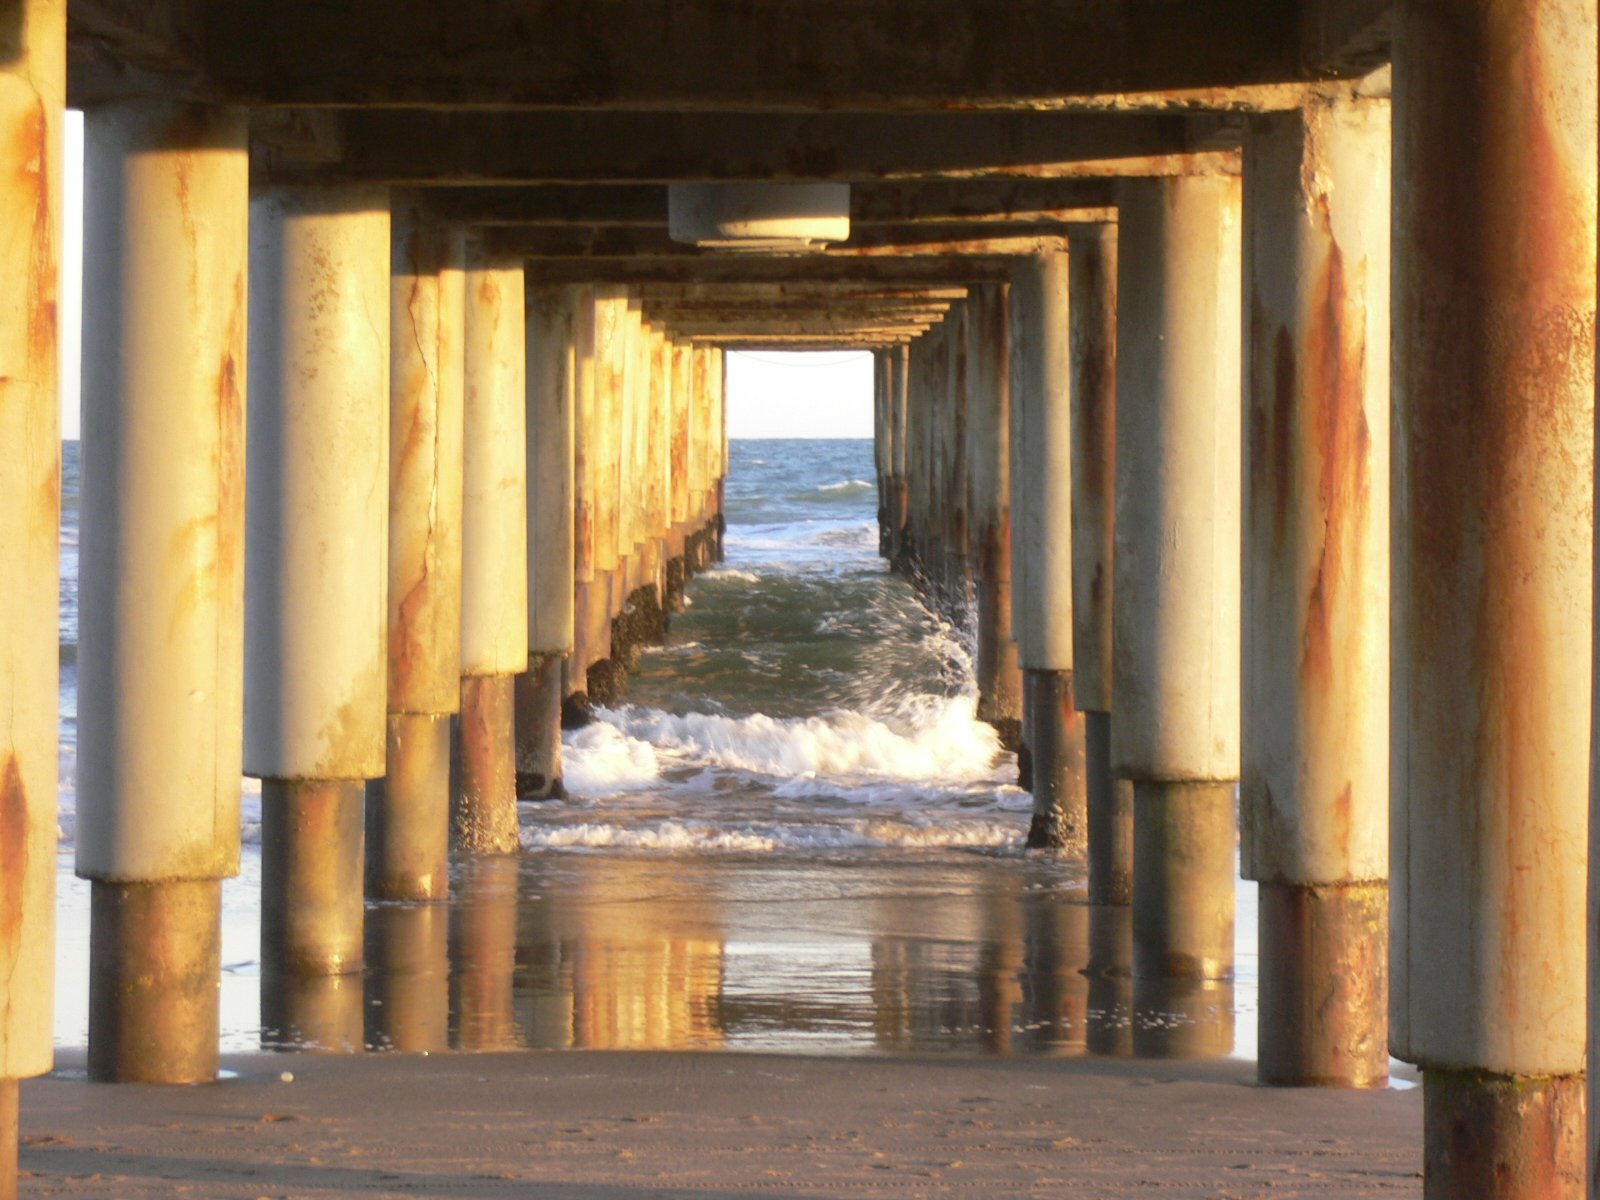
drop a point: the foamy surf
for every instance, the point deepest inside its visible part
(678, 837)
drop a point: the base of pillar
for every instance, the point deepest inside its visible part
(155, 973)
(10, 1128)
(1184, 839)
(577, 710)
(1007, 729)
(315, 1014)
(607, 682)
(312, 862)
(1324, 985)
(408, 812)
(1024, 759)
(1110, 802)
(1502, 1137)
(483, 808)
(539, 721)
(1060, 804)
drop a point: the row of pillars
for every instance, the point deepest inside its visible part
(1241, 564)
(453, 503)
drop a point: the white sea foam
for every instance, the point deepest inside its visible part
(931, 739)
(729, 573)
(602, 760)
(758, 838)
(847, 488)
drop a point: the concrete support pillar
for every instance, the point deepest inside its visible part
(610, 310)
(1045, 649)
(408, 811)
(32, 101)
(1494, 308)
(719, 451)
(1092, 287)
(549, 631)
(161, 683)
(316, 561)
(1175, 636)
(494, 564)
(988, 461)
(956, 575)
(1314, 793)
(575, 668)
(678, 454)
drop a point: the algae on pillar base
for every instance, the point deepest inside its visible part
(161, 685)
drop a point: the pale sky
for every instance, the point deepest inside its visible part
(770, 394)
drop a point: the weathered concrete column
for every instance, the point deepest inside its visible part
(1044, 641)
(719, 451)
(408, 811)
(603, 680)
(989, 506)
(494, 563)
(316, 560)
(1175, 635)
(549, 629)
(699, 457)
(678, 465)
(955, 570)
(881, 449)
(588, 581)
(162, 586)
(1494, 305)
(898, 416)
(1092, 286)
(32, 100)
(1314, 795)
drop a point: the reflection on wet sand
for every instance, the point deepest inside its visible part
(654, 952)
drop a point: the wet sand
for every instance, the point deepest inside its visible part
(621, 1125)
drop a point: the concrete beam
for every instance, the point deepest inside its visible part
(627, 244)
(645, 205)
(486, 148)
(864, 54)
(719, 270)
(791, 292)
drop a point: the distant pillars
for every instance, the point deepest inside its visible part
(1494, 307)
(550, 631)
(494, 565)
(678, 462)
(32, 100)
(1175, 636)
(1044, 527)
(899, 414)
(1314, 797)
(408, 811)
(316, 559)
(988, 463)
(162, 587)
(881, 371)
(1093, 318)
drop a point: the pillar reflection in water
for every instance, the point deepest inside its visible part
(483, 955)
(408, 977)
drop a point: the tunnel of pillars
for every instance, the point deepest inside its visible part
(1247, 510)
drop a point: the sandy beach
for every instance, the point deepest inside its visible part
(623, 1126)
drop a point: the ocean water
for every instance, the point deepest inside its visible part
(794, 835)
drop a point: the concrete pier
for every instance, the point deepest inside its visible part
(32, 104)
(1493, 585)
(550, 620)
(1176, 573)
(988, 482)
(494, 570)
(1314, 795)
(161, 594)
(1092, 305)
(1041, 325)
(408, 811)
(316, 653)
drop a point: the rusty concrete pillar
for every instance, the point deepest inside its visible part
(32, 101)
(899, 497)
(989, 507)
(494, 565)
(1044, 638)
(1175, 633)
(678, 466)
(1494, 306)
(880, 443)
(956, 574)
(550, 628)
(1092, 289)
(610, 310)
(587, 580)
(316, 559)
(161, 668)
(408, 810)
(1314, 792)
(719, 449)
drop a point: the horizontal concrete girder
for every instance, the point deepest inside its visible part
(795, 292)
(418, 148)
(638, 243)
(785, 326)
(864, 55)
(711, 270)
(645, 204)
